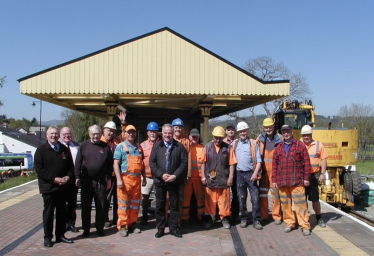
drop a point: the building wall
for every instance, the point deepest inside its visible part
(10, 145)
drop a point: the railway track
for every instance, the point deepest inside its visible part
(368, 220)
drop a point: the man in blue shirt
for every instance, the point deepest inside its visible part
(247, 170)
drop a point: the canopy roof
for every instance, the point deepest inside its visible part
(148, 74)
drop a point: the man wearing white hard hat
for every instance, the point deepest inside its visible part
(318, 156)
(247, 154)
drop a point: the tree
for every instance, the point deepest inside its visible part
(266, 69)
(79, 122)
(2, 82)
(360, 116)
(21, 123)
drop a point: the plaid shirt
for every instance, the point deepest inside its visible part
(291, 169)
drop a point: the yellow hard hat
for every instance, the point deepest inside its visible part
(218, 131)
(267, 122)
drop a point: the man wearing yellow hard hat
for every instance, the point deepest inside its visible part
(217, 174)
(268, 140)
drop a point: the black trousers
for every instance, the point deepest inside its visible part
(96, 190)
(112, 192)
(71, 202)
(52, 201)
(161, 191)
(234, 201)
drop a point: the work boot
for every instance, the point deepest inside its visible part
(277, 222)
(257, 225)
(287, 229)
(123, 232)
(225, 223)
(243, 224)
(134, 229)
(209, 223)
(321, 223)
(144, 218)
(306, 232)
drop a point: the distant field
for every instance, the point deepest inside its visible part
(363, 167)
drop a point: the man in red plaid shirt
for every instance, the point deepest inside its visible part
(291, 170)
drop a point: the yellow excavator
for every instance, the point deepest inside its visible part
(342, 183)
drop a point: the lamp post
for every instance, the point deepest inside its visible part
(40, 119)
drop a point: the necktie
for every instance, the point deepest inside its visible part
(55, 148)
(168, 146)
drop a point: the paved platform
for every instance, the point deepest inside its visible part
(22, 234)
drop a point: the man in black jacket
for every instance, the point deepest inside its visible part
(54, 166)
(168, 162)
(93, 166)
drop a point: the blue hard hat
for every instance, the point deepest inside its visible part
(177, 122)
(152, 126)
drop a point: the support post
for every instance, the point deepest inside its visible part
(205, 112)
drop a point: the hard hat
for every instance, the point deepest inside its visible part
(242, 126)
(267, 122)
(306, 129)
(218, 131)
(230, 125)
(110, 125)
(130, 127)
(177, 122)
(194, 132)
(152, 126)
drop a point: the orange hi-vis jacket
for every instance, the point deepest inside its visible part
(266, 182)
(186, 144)
(316, 152)
(253, 143)
(147, 146)
(194, 184)
(129, 196)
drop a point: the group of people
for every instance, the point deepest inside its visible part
(108, 166)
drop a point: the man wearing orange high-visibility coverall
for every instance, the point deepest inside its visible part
(268, 140)
(128, 166)
(217, 173)
(290, 173)
(193, 184)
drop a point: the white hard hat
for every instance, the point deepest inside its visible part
(306, 129)
(242, 126)
(110, 125)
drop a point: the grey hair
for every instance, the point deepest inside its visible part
(54, 127)
(95, 126)
(166, 126)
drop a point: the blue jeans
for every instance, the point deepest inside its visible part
(243, 182)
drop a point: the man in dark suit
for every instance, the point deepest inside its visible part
(168, 162)
(54, 167)
(66, 138)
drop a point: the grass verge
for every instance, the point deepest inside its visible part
(16, 181)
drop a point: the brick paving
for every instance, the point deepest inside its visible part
(18, 219)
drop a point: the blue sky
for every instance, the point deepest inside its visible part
(329, 42)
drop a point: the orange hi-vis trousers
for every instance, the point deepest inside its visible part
(295, 194)
(220, 196)
(129, 196)
(193, 185)
(264, 185)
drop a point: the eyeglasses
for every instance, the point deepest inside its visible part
(66, 134)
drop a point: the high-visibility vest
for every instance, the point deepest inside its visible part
(252, 143)
(147, 149)
(196, 155)
(135, 164)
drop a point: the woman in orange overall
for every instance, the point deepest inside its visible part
(128, 166)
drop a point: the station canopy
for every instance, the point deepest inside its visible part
(156, 76)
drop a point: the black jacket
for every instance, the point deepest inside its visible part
(50, 164)
(178, 162)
